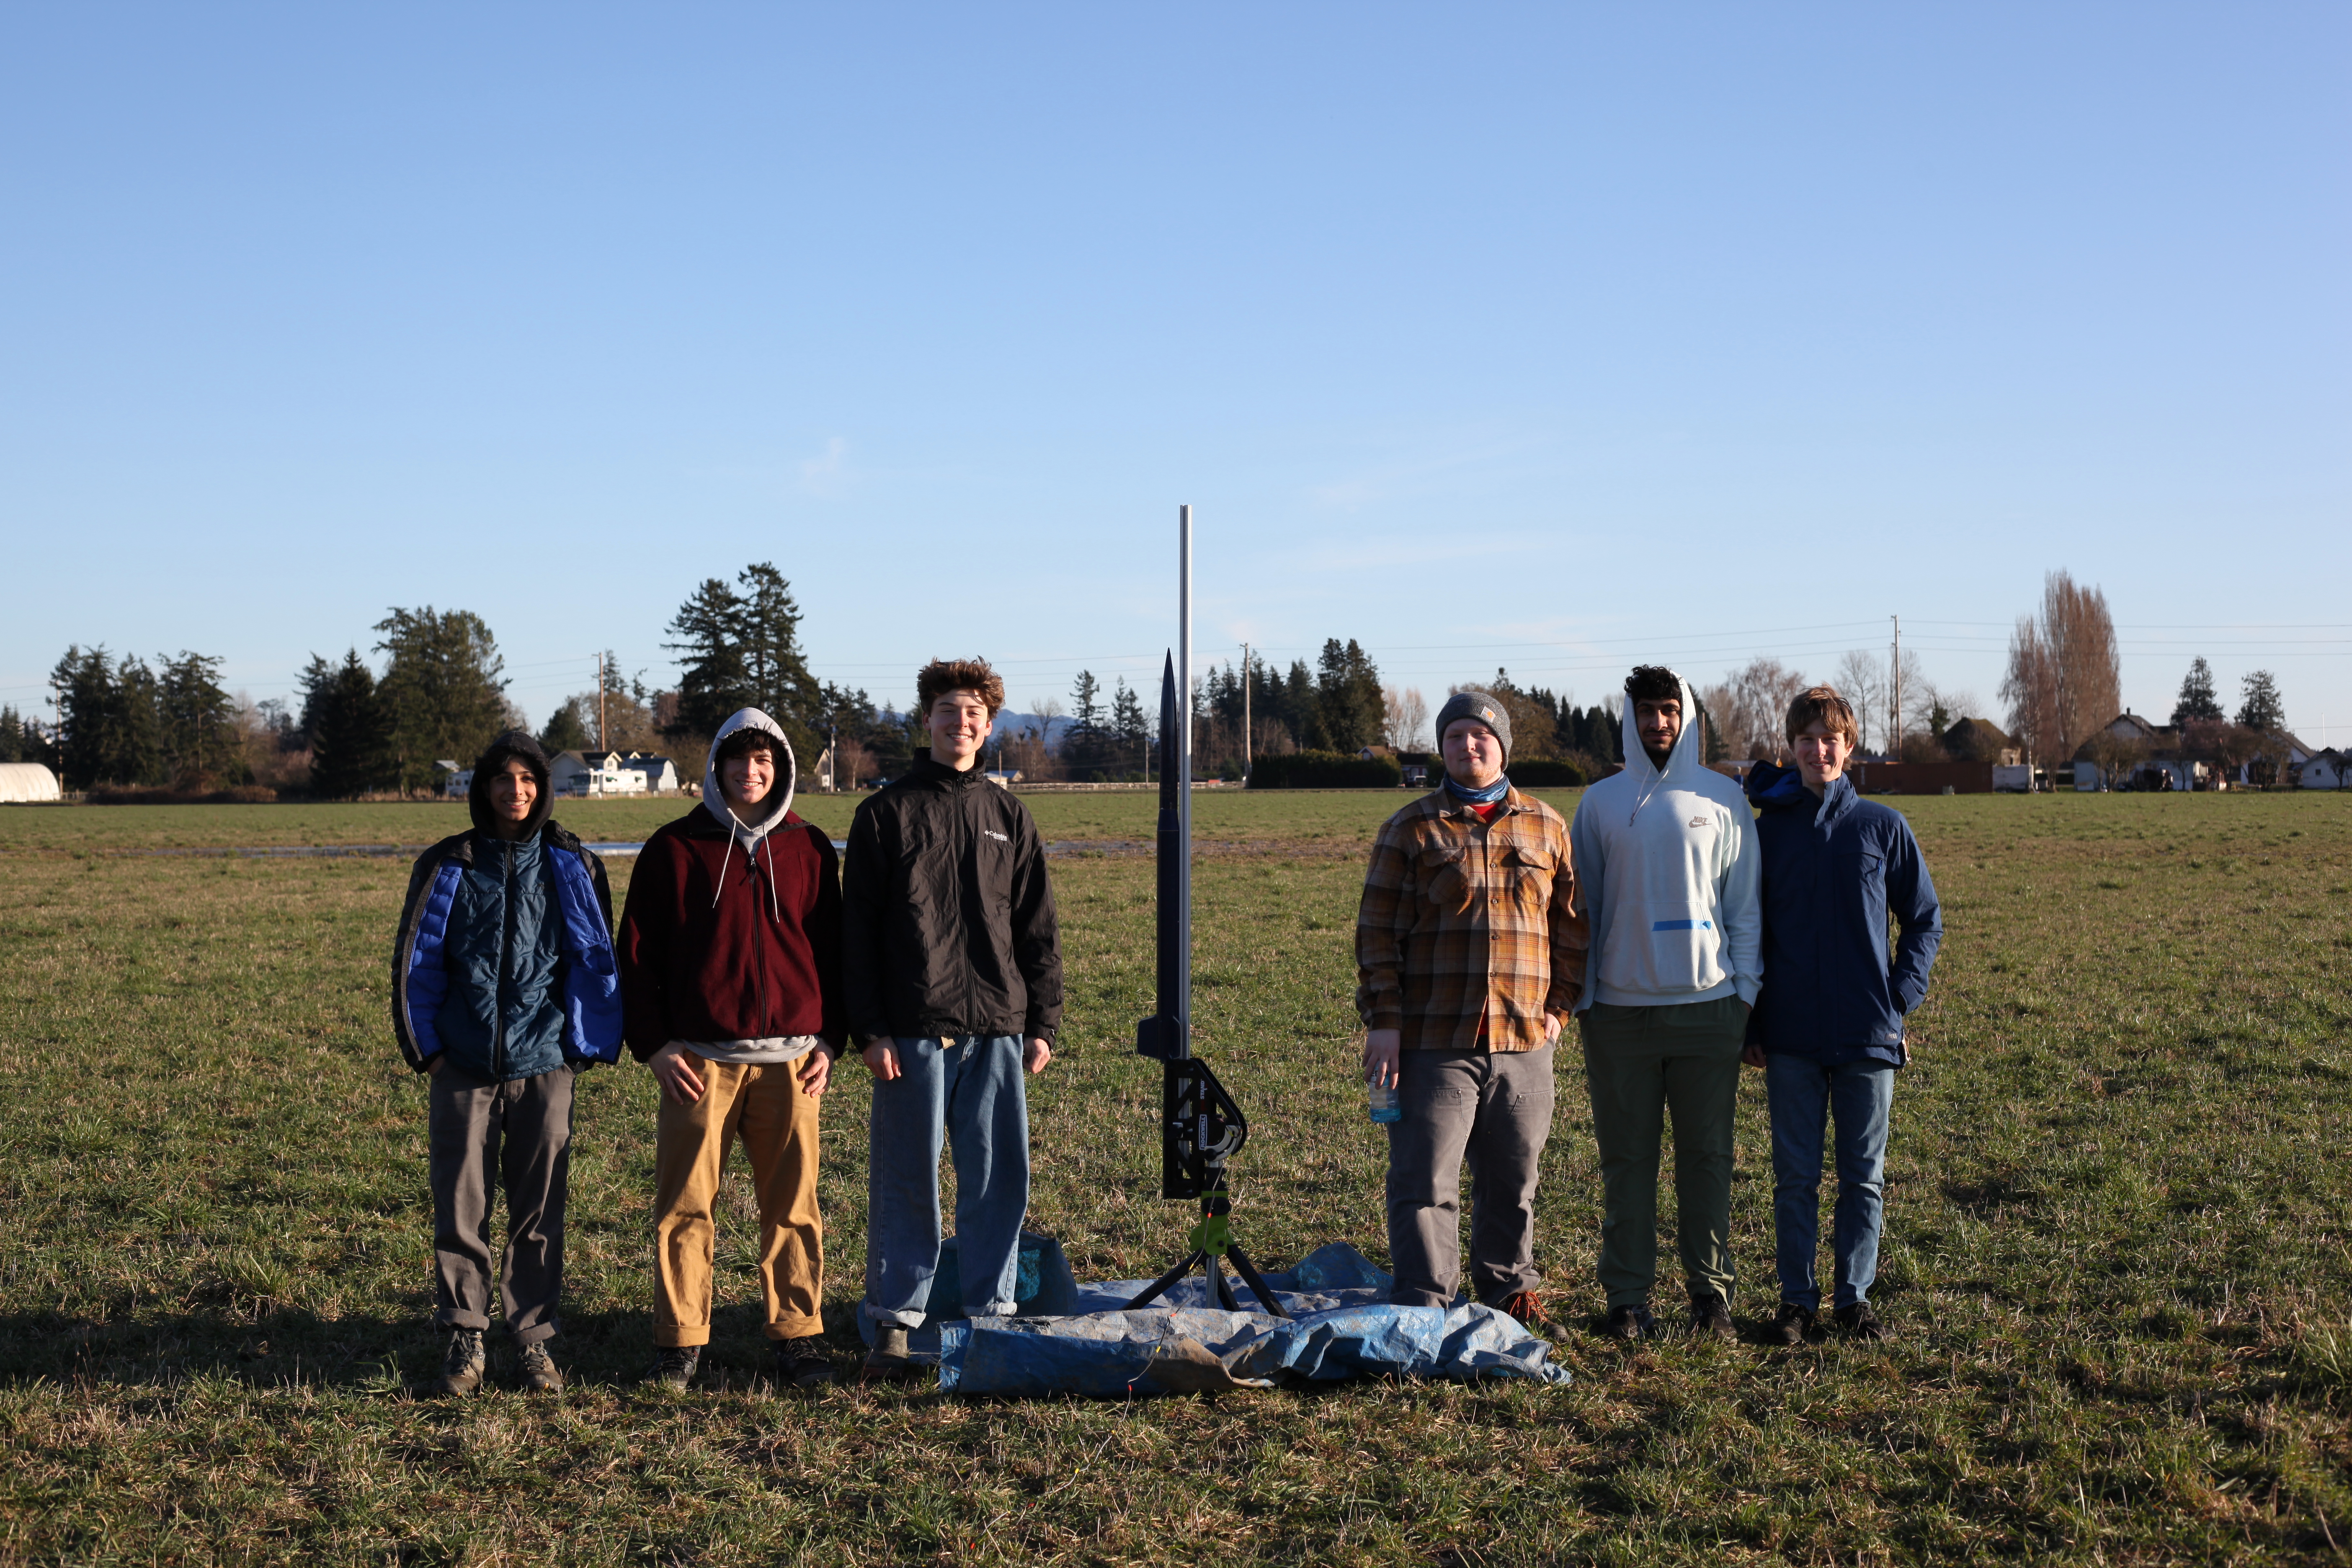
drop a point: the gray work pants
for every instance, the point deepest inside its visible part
(1492, 1107)
(521, 1131)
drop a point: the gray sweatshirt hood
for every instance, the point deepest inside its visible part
(771, 811)
(1682, 761)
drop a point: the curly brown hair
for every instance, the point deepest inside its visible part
(1822, 705)
(942, 676)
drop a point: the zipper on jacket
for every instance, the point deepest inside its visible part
(498, 992)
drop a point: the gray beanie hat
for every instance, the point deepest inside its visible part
(1471, 703)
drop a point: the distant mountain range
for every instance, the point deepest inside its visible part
(1008, 722)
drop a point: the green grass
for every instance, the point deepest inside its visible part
(2116, 1242)
(1220, 816)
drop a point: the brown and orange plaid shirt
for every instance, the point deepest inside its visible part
(1464, 921)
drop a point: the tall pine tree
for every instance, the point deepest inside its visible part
(775, 670)
(444, 687)
(2197, 699)
(713, 680)
(349, 729)
(2264, 709)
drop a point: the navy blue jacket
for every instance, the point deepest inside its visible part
(505, 958)
(1833, 870)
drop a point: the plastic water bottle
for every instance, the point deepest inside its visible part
(1384, 1103)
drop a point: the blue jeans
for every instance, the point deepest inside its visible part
(1804, 1094)
(968, 1090)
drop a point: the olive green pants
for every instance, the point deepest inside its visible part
(1642, 1064)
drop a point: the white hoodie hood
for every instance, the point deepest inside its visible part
(752, 836)
(1668, 861)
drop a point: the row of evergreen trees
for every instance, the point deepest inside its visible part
(125, 722)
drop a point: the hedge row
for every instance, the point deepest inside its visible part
(1541, 774)
(1325, 770)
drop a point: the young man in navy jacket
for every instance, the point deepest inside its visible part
(502, 986)
(1828, 1026)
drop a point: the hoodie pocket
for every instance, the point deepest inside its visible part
(1670, 948)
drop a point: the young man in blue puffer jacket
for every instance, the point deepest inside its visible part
(1828, 1026)
(503, 984)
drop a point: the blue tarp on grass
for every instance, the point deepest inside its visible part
(1341, 1327)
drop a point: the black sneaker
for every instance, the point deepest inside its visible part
(1857, 1322)
(462, 1364)
(803, 1361)
(1710, 1316)
(1629, 1322)
(538, 1369)
(889, 1360)
(676, 1366)
(1795, 1324)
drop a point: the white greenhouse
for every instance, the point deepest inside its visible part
(23, 782)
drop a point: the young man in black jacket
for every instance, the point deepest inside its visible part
(952, 969)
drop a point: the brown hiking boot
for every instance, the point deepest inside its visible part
(462, 1364)
(1794, 1325)
(1524, 1306)
(1630, 1323)
(803, 1361)
(538, 1369)
(1857, 1322)
(676, 1366)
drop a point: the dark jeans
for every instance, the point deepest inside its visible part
(521, 1130)
(1492, 1107)
(1805, 1095)
(1642, 1063)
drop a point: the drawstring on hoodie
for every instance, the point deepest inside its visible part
(734, 828)
(1659, 773)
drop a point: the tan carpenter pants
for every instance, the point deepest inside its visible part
(777, 1122)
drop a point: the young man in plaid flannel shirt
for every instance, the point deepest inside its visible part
(1470, 946)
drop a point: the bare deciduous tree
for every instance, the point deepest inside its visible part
(2065, 676)
(1861, 679)
(1407, 714)
(1750, 705)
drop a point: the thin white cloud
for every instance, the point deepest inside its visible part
(829, 475)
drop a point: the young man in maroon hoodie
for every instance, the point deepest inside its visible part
(730, 961)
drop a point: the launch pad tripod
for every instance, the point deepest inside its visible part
(1201, 1128)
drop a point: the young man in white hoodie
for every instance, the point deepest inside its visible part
(1665, 852)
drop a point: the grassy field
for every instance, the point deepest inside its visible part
(2116, 1244)
(1220, 816)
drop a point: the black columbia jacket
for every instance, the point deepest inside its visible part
(947, 919)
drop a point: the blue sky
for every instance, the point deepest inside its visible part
(1549, 337)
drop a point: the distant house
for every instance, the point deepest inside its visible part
(2281, 761)
(594, 773)
(2325, 770)
(1979, 741)
(660, 773)
(1004, 778)
(459, 782)
(2161, 766)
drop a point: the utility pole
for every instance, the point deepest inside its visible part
(1896, 674)
(600, 746)
(1246, 710)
